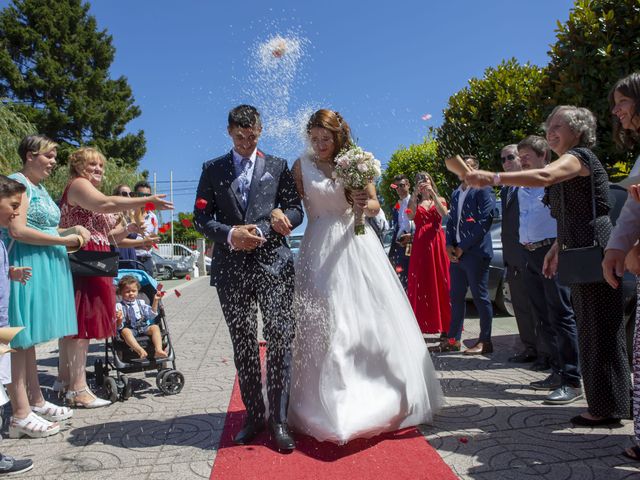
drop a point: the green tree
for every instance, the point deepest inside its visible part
(13, 128)
(599, 44)
(409, 161)
(502, 107)
(54, 63)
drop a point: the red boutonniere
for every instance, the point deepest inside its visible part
(201, 203)
(259, 154)
(397, 206)
(471, 220)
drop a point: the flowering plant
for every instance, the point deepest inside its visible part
(355, 168)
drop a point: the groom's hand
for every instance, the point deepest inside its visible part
(245, 237)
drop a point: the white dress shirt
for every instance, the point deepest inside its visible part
(536, 222)
(461, 198)
(237, 165)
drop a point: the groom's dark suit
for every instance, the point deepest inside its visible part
(248, 279)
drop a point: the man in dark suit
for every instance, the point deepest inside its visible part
(513, 254)
(470, 252)
(401, 230)
(252, 266)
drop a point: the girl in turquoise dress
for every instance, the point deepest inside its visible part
(45, 306)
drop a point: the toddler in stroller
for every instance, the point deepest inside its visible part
(154, 350)
(135, 317)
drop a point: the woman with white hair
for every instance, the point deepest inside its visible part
(577, 185)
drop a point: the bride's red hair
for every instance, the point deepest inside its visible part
(333, 122)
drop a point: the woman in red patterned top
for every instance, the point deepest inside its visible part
(83, 204)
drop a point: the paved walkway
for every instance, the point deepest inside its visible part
(494, 427)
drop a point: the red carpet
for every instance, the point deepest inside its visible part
(399, 455)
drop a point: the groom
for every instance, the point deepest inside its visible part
(252, 266)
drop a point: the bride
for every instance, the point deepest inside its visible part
(360, 363)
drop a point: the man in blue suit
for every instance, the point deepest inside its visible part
(470, 252)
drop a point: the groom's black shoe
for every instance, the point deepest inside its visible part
(249, 431)
(282, 437)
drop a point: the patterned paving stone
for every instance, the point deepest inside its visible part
(493, 427)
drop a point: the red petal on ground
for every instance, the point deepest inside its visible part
(187, 278)
(464, 439)
(177, 293)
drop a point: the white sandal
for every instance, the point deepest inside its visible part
(51, 412)
(71, 400)
(32, 426)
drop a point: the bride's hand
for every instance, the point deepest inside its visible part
(360, 198)
(280, 222)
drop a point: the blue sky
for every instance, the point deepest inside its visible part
(382, 66)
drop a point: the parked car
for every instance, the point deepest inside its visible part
(295, 240)
(180, 251)
(167, 268)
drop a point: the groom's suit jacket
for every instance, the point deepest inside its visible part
(272, 186)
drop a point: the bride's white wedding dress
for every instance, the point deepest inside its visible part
(361, 366)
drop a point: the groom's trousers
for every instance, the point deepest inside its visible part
(240, 298)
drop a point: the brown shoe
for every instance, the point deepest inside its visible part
(446, 346)
(480, 348)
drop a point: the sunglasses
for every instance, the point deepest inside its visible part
(140, 194)
(126, 194)
(509, 158)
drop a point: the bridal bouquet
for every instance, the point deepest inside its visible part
(355, 168)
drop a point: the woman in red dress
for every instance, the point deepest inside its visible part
(83, 204)
(428, 287)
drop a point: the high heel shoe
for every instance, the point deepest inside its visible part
(72, 400)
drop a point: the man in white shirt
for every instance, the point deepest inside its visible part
(150, 227)
(550, 301)
(402, 230)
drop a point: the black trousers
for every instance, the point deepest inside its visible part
(551, 306)
(240, 297)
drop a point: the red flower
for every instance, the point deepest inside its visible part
(201, 203)
(408, 211)
(399, 269)
(471, 220)
(187, 278)
(259, 153)
(177, 293)
(397, 206)
(393, 185)
(464, 439)
(186, 222)
(149, 206)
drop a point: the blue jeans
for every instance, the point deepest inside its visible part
(471, 272)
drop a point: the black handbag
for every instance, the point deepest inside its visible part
(87, 263)
(582, 264)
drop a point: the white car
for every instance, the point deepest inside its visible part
(181, 251)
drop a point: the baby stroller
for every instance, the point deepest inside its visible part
(119, 357)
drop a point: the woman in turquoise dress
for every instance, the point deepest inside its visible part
(44, 306)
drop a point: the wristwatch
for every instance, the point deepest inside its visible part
(496, 178)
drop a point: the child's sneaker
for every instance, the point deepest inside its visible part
(13, 466)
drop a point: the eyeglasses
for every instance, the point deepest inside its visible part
(509, 158)
(126, 194)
